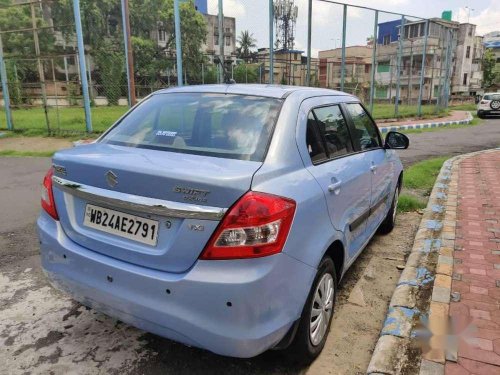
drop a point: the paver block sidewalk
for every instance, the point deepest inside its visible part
(476, 281)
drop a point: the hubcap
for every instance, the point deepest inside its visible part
(396, 197)
(321, 309)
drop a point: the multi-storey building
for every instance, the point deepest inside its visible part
(452, 60)
(492, 42)
(357, 73)
(289, 67)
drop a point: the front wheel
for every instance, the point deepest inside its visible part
(390, 220)
(316, 316)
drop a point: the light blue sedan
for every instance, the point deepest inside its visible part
(222, 216)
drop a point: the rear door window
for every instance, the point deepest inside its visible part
(365, 135)
(228, 126)
(327, 134)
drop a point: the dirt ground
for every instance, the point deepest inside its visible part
(34, 144)
(43, 331)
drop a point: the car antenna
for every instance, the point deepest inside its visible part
(224, 65)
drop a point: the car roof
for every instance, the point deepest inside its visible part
(271, 91)
(492, 93)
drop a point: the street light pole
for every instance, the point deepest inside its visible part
(129, 57)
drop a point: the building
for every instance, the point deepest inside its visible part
(358, 63)
(452, 62)
(211, 47)
(290, 67)
(491, 41)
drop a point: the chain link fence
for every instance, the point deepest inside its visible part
(397, 64)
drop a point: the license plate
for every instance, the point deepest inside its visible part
(135, 228)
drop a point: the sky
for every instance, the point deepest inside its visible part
(252, 15)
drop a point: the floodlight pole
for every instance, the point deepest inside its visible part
(178, 47)
(374, 56)
(5, 88)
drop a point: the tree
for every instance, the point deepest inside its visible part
(489, 74)
(246, 42)
(246, 73)
(101, 19)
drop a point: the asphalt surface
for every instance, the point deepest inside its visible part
(43, 331)
(452, 142)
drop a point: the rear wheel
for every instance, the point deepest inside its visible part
(390, 220)
(316, 316)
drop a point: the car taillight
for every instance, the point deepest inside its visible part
(256, 226)
(48, 203)
(484, 102)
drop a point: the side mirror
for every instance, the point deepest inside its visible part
(397, 141)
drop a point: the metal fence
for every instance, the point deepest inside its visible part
(71, 66)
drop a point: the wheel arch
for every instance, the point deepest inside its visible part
(336, 251)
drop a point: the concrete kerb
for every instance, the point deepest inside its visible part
(422, 295)
(430, 124)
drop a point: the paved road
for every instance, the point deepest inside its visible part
(452, 142)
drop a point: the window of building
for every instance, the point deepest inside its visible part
(383, 67)
(162, 35)
(228, 40)
(386, 40)
(465, 79)
(470, 30)
(467, 53)
(228, 30)
(216, 40)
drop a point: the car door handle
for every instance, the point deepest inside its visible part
(335, 187)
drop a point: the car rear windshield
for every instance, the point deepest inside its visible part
(220, 125)
(491, 97)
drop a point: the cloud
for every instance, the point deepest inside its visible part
(232, 8)
(487, 20)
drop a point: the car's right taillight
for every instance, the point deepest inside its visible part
(48, 203)
(256, 226)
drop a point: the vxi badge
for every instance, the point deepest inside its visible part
(192, 195)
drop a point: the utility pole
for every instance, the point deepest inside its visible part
(5, 89)
(41, 72)
(410, 73)
(221, 41)
(178, 46)
(129, 56)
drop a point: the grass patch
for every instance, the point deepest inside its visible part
(386, 111)
(475, 121)
(418, 182)
(70, 121)
(14, 153)
(66, 121)
(464, 107)
(421, 176)
(407, 203)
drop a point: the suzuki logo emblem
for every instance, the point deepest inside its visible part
(111, 178)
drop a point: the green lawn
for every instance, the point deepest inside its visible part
(386, 111)
(65, 121)
(418, 182)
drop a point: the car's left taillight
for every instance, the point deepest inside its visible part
(484, 102)
(257, 225)
(48, 203)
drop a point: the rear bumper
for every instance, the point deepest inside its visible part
(485, 112)
(237, 308)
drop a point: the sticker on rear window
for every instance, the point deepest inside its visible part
(166, 133)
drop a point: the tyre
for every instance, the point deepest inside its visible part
(480, 115)
(316, 316)
(390, 220)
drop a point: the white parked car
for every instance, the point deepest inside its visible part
(489, 105)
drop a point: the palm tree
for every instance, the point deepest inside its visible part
(246, 42)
